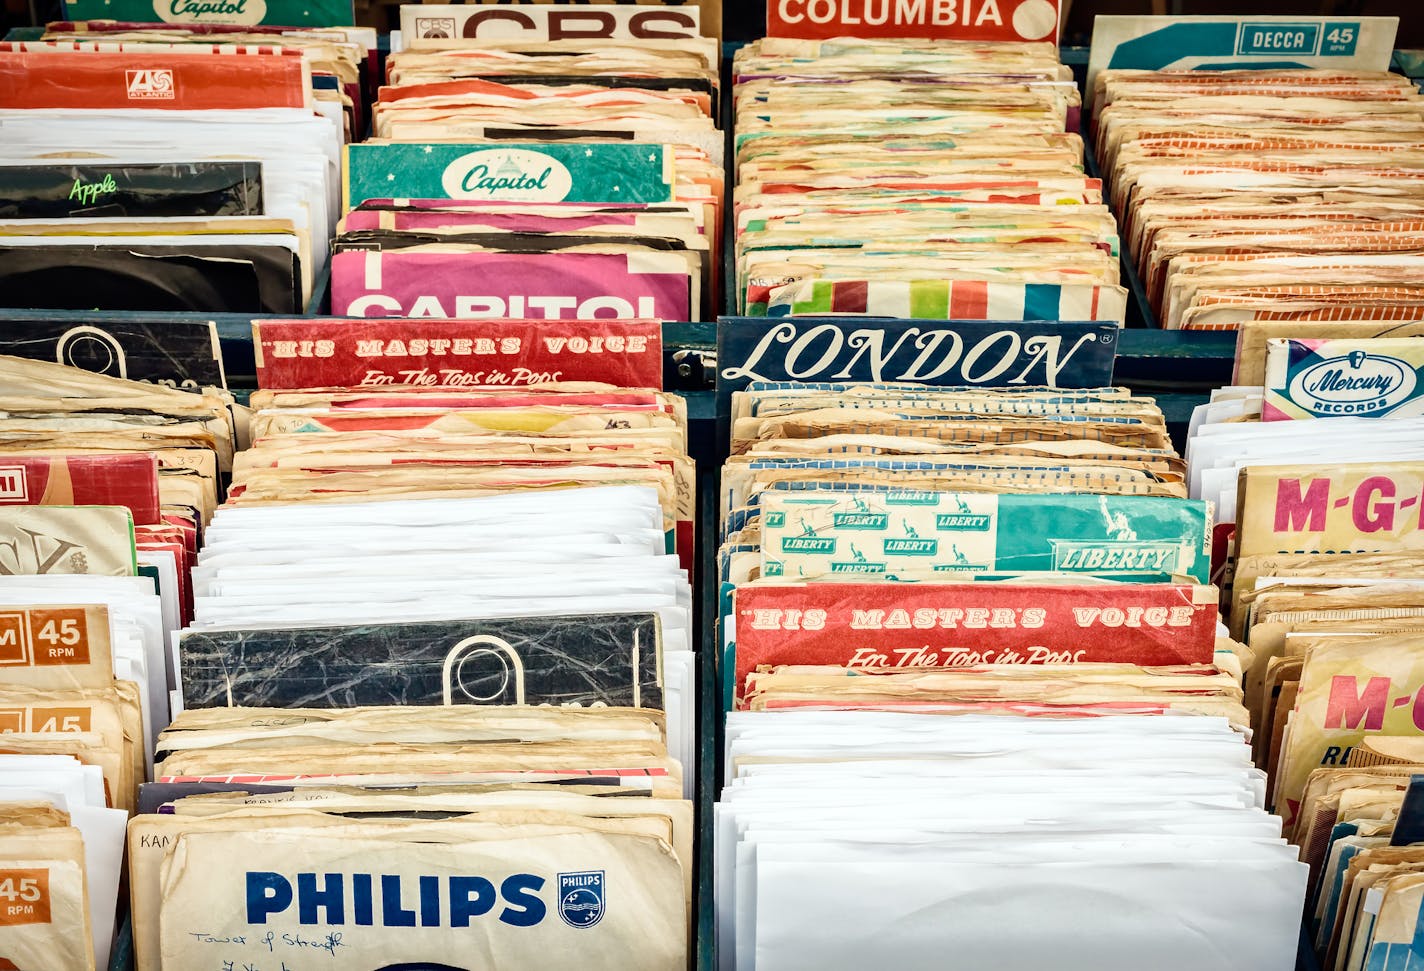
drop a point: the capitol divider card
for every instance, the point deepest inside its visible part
(548, 172)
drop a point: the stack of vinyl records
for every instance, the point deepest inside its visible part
(342, 58)
(207, 181)
(73, 703)
(953, 620)
(105, 488)
(1316, 456)
(549, 179)
(52, 870)
(1361, 833)
(510, 545)
(409, 836)
(1290, 195)
(917, 179)
(441, 661)
(106, 479)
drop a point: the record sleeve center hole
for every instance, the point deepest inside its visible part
(482, 666)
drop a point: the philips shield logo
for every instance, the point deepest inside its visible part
(1359, 383)
(150, 85)
(581, 898)
(512, 174)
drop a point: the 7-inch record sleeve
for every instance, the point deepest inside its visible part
(598, 659)
(199, 278)
(173, 350)
(62, 190)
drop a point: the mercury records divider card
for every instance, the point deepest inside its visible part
(595, 659)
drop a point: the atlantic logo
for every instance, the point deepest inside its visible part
(1359, 383)
(150, 84)
(512, 174)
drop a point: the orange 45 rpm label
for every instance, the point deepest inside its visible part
(24, 897)
(44, 719)
(44, 636)
(59, 635)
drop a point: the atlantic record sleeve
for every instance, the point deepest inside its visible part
(594, 659)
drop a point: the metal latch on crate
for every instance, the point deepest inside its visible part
(695, 368)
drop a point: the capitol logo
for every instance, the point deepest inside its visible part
(514, 174)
